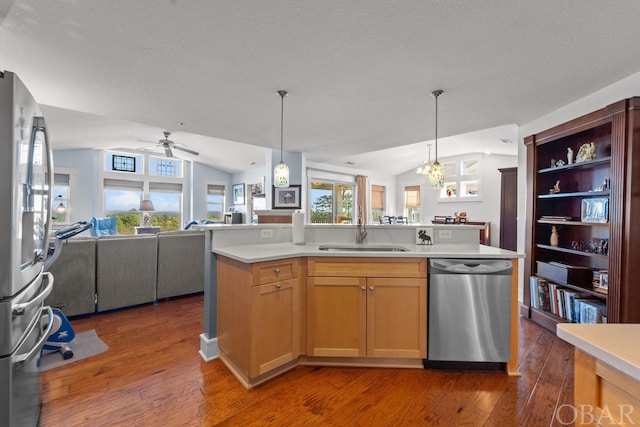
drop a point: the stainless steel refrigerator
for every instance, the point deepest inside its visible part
(26, 179)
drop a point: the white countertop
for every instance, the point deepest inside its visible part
(274, 251)
(615, 344)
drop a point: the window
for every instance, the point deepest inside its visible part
(124, 164)
(412, 203)
(377, 202)
(167, 199)
(122, 199)
(132, 177)
(215, 201)
(165, 167)
(331, 202)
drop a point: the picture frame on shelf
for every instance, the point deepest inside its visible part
(286, 197)
(595, 210)
(238, 194)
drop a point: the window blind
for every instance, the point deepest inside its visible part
(412, 196)
(377, 197)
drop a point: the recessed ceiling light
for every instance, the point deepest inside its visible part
(349, 163)
(506, 140)
(252, 163)
(180, 123)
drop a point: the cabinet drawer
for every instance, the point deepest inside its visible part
(367, 267)
(271, 271)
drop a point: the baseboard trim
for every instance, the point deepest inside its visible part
(209, 349)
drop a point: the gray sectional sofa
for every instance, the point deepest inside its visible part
(108, 272)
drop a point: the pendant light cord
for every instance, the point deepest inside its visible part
(282, 94)
(436, 94)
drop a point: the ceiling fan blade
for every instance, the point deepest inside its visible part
(186, 150)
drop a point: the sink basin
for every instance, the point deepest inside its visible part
(362, 248)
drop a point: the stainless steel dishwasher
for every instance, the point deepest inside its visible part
(469, 310)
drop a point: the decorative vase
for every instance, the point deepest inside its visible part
(569, 156)
(553, 240)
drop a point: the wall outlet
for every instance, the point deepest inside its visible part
(266, 233)
(445, 234)
(424, 236)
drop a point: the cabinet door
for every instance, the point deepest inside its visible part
(275, 325)
(336, 316)
(397, 318)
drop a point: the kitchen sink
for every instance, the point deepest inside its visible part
(362, 248)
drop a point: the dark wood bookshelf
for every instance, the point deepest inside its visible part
(614, 130)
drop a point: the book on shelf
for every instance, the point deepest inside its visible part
(566, 303)
(539, 293)
(556, 218)
(591, 311)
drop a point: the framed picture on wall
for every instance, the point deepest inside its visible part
(286, 197)
(238, 194)
(256, 188)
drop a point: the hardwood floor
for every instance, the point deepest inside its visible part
(152, 375)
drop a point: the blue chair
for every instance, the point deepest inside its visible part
(104, 226)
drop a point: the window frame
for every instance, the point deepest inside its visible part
(150, 183)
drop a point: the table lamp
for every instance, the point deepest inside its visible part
(146, 206)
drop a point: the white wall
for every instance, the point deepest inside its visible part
(486, 208)
(201, 176)
(85, 196)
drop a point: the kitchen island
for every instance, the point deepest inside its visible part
(279, 304)
(273, 305)
(606, 372)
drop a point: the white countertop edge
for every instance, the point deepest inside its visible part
(219, 226)
(607, 342)
(275, 251)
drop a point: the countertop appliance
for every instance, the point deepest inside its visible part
(469, 310)
(25, 209)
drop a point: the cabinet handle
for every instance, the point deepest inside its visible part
(364, 289)
(278, 286)
(277, 270)
(371, 288)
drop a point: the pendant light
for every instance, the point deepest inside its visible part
(436, 171)
(61, 209)
(424, 169)
(281, 172)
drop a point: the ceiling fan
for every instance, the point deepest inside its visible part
(168, 145)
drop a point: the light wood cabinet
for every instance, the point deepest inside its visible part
(259, 316)
(366, 308)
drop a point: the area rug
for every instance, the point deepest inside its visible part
(85, 344)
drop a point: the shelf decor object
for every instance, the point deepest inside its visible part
(596, 214)
(281, 171)
(595, 210)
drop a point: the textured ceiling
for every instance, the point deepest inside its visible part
(359, 72)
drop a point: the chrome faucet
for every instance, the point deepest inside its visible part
(361, 233)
